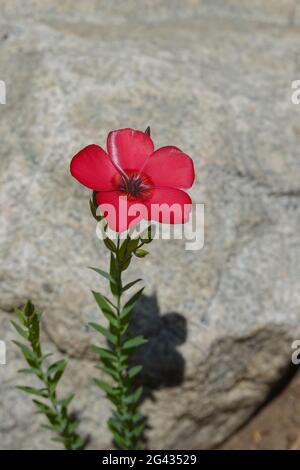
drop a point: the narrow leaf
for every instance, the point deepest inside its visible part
(120, 441)
(64, 402)
(135, 370)
(106, 308)
(44, 408)
(138, 429)
(131, 303)
(20, 315)
(132, 245)
(57, 366)
(149, 236)
(41, 392)
(104, 274)
(115, 424)
(134, 342)
(104, 353)
(110, 244)
(32, 370)
(27, 353)
(106, 387)
(20, 330)
(45, 356)
(110, 371)
(29, 309)
(126, 263)
(94, 211)
(56, 370)
(112, 338)
(134, 397)
(130, 284)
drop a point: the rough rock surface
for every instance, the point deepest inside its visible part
(214, 78)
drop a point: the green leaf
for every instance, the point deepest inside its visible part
(115, 308)
(47, 426)
(43, 408)
(72, 426)
(136, 417)
(29, 355)
(78, 444)
(140, 253)
(130, 284)
(120, 441)
(126, 263)
(64, 402)
(33, 323)
(131, 303)
(135, 370)
(41, 392)
(123, 359)
(93, 208)
(45, 356)
(149, 236)
(112, 338)
(110, 371)
(21, 317)
(134, 342)
(20, 330)
(116, 425)
(106, 387)
(138, 429)
(106, 308)
(125, 326)
(104, 353)
(134, 397)
(104, 274)
(31, 370)
(110, 244)
(132, 245)
(29, 309)
(126, 250)
(56, 370)
(123, 248)
(57, 366)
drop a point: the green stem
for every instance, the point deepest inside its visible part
(126, 423)
(125, 412)
(55, 410)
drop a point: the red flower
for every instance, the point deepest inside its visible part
(135, 181)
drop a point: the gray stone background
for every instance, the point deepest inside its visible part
(212, 77)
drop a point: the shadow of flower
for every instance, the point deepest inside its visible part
(163, 365)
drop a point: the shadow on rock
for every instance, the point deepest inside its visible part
(163, 365)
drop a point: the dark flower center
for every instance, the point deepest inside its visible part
(135, 185)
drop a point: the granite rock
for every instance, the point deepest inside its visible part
(213, 78)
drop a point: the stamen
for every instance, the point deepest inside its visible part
(135, 185)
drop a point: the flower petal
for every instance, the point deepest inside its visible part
(169, 206)
(93, 168)
(129, 149)
(120, 212)
(170, 167)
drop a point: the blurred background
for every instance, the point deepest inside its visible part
(214, 78)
